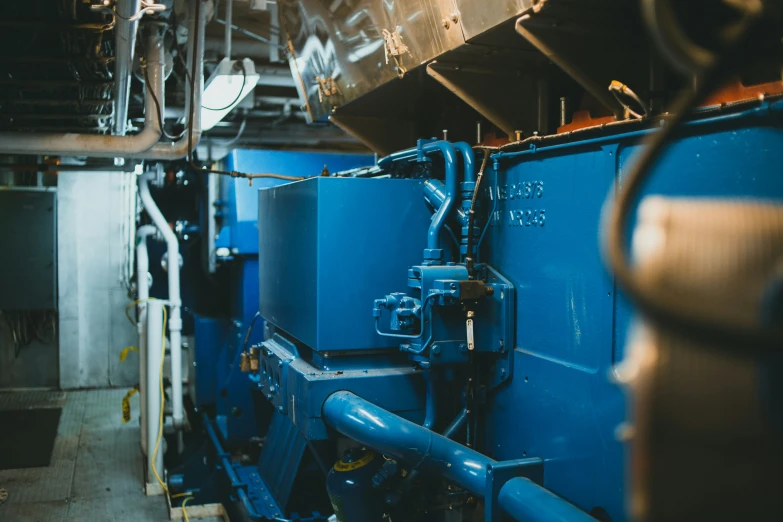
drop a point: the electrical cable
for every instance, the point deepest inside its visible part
(250, 331)
(157, 107)
(618, 88)
(472, 215)
(233, 174)
(677, 311)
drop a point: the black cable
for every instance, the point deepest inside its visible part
(233, 174)
(157, 107)
(239, 94)
(250, 331)
(472, 215)
(676, 311)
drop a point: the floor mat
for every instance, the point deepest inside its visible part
(27, 437)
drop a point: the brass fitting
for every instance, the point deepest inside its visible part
(244, 362)
(254, 353)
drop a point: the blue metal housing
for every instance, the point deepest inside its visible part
(547, 337)
(571, 324)
(328, 247)
(239, 201)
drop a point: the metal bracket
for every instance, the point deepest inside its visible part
(499, 473)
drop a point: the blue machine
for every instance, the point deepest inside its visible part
(475, 355)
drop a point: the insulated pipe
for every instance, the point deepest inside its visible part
(154, 353)
(179, 149)
(125, 42)
(175, 317)
(95, 145)
(449, 155)
(143, 292)
(423, 449)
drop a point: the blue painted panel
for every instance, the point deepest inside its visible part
(570, 326)
(329, 247)
(240, 199)
(210, 334)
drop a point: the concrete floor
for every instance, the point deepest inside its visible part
(95, 474)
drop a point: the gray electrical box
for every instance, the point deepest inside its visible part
(28, 253)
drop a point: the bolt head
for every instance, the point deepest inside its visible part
(445, 23)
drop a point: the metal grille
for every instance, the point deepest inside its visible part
(57, 62)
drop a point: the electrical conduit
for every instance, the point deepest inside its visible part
(175, 317)
(423, 449)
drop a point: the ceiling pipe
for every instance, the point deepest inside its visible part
(179, 149)
(98, 146)
(125, 42)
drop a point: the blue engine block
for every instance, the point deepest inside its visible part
(367, 291)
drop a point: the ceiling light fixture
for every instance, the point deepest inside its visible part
(231, 82)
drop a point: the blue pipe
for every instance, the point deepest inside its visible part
(524, 500)
(423, 449)
(456, 424)
(431, 407)
(468, 161)
(236, 484)
(433, 252)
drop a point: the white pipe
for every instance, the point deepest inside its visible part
(143, 292)
(175, 317)
(179, 149)
(154, 352)
(125, 42)
(98, 146)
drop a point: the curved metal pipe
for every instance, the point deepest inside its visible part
(179, 149)
(468, 161)
(94, 145)
(446, 149)
(175, 317)
(423, 449)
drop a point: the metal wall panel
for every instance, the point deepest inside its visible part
(344, 41)
(479, 17)
(28, 264)
(92, 299)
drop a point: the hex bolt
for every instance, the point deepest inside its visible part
(445, 23)
(280, 409)
(436, 349)
(455, 17)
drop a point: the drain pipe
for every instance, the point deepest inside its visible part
(94, 145)
(155, 350)
(143, 293)
(195, 58)
(125, 43)
(175, 316)
(418, 447)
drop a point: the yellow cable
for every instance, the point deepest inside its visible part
(184, 511)
(162, 404)
(134, 303)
